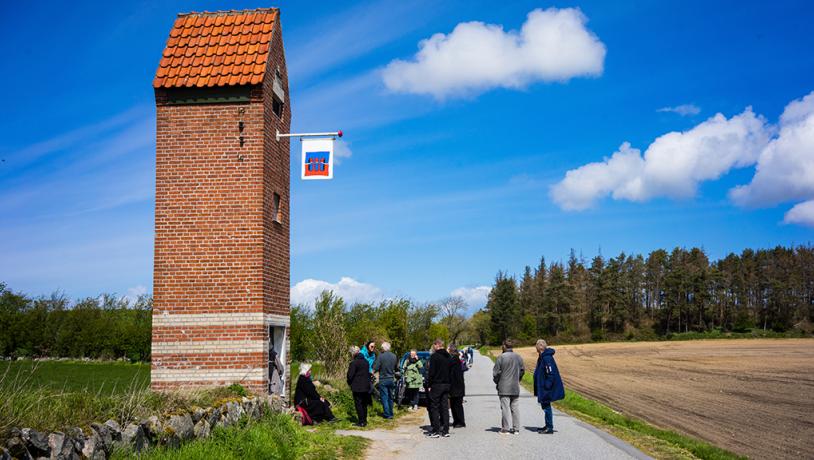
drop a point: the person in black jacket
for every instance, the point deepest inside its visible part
(457, 387)
(359, 383)
(306, 396)
(437, 384)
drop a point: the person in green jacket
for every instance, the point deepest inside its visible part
(413, 379)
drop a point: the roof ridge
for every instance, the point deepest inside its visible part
(228, 12)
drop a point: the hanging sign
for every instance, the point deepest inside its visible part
(317, 158)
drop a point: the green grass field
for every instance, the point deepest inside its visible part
(55, 395)
(95, 377)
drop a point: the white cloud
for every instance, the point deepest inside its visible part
(802, 214)
(785, 168)
(341, 150)
(475, 297)
(306, 291)
(672, 166)
(684, 110)
(552, 45)
(619, 175)
(675, 163)
(134, 293)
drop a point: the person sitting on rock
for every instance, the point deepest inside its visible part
(307, 397)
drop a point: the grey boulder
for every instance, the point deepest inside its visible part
(202, 429)
(181, 426)
(134, 437)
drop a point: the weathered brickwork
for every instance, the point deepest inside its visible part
(222, 256)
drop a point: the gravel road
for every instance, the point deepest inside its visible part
(480, 439)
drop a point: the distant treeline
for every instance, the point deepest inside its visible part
(104, 327)
(325, 331)
(632, 296)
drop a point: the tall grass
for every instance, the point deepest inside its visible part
(30, 399)
(275, 436)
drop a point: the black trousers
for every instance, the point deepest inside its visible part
(360, 400)
(439, 408)
(456, 403)
(411, 396)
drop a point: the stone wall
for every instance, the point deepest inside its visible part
(101, 440)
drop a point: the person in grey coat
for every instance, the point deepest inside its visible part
(508, 371)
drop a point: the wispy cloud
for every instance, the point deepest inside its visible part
(134, 293)
(349, 34)
(356, 102)
(76, 137)
(97, 170)
(341, 151)
(475, 297)
(685, 110)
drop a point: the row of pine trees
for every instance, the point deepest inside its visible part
(663, 293)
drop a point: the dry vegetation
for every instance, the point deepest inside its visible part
(753, 397)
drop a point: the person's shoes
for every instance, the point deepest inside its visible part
(360, 425)
(505, 432)
(459, 425)
(542, 430)
(546, 430)
(435, 435)
(515, 431)
(446, 435)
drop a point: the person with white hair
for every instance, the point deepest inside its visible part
(307, 397)
(548, 385)
(386, 365)
(358, 379)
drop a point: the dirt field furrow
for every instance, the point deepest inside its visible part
(754, 397)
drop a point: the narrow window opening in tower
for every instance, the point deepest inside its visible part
(277, 107)
(277, 213)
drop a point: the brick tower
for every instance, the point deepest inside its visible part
(221, 279)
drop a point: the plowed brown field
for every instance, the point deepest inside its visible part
(754, 397)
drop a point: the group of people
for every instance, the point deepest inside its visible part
(507, 374)
(446, 388)
(444, 384)
(361, 379)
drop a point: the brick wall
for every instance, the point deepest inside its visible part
(222, 262)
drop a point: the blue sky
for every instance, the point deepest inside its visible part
(465, 159)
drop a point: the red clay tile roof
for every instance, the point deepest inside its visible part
(223, 48)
